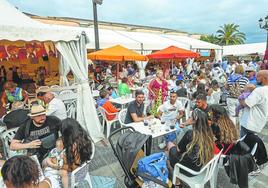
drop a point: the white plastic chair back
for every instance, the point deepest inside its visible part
(43, 88)
(71, 109)
(55, 86)
(6, 137)
(66, 92)
(186, 103)
(122, 117)
(208, 173)
(79, 175)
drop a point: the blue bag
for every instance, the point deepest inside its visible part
(154, 165)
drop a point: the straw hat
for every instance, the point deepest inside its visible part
(37, 110)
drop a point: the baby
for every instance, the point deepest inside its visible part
(54, 162)
(247, 91)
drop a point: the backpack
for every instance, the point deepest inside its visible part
(235, 89)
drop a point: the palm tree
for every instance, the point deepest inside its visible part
(210, 38)
(229, 34)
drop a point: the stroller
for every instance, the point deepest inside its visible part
(128, 151)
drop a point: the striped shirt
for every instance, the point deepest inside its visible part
(241, 81)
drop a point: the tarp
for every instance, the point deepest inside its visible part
(245, 49)
(14, 26)
(173, 52)
(116, 53)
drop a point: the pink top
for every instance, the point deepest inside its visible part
(155, 86)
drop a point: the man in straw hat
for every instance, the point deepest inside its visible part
(37, 135)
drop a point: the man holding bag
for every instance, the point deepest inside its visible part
(38, 135)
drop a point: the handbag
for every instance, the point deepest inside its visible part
(154, 165)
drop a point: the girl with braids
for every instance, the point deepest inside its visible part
(78, 148)
(223, 128)
(196, 147)
(22, 172)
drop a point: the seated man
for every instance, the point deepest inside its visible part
(107, 105)
(38, 135)
(135, 110)
(55, 106)
(17, 116)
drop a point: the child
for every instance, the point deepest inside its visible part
(247, 91)
(54, 162)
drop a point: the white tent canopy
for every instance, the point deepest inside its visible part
(15, 26)
(245, 49)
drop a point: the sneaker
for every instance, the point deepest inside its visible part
(255, 172)
(162, 145)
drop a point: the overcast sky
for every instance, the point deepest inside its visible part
(194, 16)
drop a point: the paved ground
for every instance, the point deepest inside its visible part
(106, 164)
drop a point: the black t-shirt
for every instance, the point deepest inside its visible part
(134, 108)
(28, 134)
(182, 92)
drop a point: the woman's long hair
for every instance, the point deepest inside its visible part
(202, 138)
(228, 131)
(21, 171)
(76, 142)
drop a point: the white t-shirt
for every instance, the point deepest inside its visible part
(57, 108)
(255, 116)
(172, 84)
(171, 111)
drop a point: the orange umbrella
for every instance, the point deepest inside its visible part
(116, 53)
(173, 52)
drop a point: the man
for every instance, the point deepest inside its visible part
(107, 105)
(135, 110)
(55, 106)
(109, 71)
(172, 82)
(255, 114)
(181, 90)
(38, 135)
(171, 109)
(201, 103)
(251, 74)
(218, 74)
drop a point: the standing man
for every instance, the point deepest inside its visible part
(255, 114)
(38, 135)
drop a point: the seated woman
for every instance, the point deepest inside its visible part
(197, 147)
(123, 87)
(78, 148)
(22, 171)
(13, 93)
(223, 128)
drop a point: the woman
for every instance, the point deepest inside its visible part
(197, 147)
(13, 93)
(223, 128)
(200, 89)
(158, 91)
(123, 88)
(22, 171)
(78, 148)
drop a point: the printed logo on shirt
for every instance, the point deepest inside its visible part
(40, 132)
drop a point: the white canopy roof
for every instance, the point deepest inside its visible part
(14, 25)
(245, 49)
(193, 43)
(152, 41)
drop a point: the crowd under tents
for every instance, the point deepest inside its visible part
(71, 44)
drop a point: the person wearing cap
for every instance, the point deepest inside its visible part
(251, 74)
(38, 134)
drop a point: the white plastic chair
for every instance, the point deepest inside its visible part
(71, 109)
(6, 138)
(43, 88)
(80, 174)
(109, 123)
(122, 116)
(207, 173)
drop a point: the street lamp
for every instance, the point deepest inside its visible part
(264, 25)
(96, 29)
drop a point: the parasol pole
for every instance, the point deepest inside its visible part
(117, 71)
